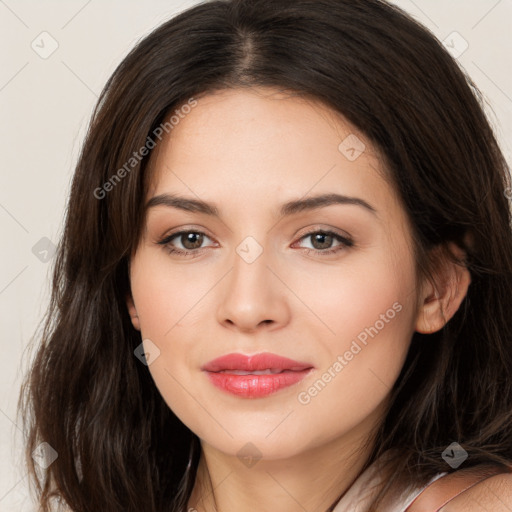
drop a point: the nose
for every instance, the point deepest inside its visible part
(252, 297)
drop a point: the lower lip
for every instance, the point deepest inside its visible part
(255, 386)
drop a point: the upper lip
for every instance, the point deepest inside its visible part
(256, 362)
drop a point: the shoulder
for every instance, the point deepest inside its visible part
(494, 493)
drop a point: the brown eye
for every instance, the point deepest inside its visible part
(192, 240)
(325, 242)
(321, 240)
(185, 242)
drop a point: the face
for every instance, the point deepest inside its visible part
(254, 264)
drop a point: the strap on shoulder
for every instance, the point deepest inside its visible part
(445, 489)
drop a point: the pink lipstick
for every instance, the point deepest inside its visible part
(255, 376)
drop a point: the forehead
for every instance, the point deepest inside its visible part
(258, 144)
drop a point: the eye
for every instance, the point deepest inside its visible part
(184, 242)
(321, 242)
(190, 243)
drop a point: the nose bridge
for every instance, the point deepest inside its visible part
(252, 294)
(250, 275)
(250, 250)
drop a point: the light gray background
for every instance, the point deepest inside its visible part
(45, 104)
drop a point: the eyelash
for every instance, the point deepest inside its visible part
(345, 242)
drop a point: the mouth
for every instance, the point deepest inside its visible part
(255, 376)
(268, 371)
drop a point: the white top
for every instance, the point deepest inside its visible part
(358, 497)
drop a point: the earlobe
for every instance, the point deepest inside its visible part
(133, 312)
(442, 298)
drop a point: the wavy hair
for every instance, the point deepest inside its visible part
(119, 446)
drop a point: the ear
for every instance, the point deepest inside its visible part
(441, 298)
(133, 312)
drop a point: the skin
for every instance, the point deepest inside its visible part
(493, 494)
(248, 151)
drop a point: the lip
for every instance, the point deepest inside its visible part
(221, 370)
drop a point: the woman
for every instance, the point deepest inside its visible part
(285, 280)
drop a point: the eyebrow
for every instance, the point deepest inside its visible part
(287, 209)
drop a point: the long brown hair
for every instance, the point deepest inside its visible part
(119, 446)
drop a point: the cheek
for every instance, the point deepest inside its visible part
(170, 304)
(361, 366)
(362, 294)
(367, 315)
(167, 295)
